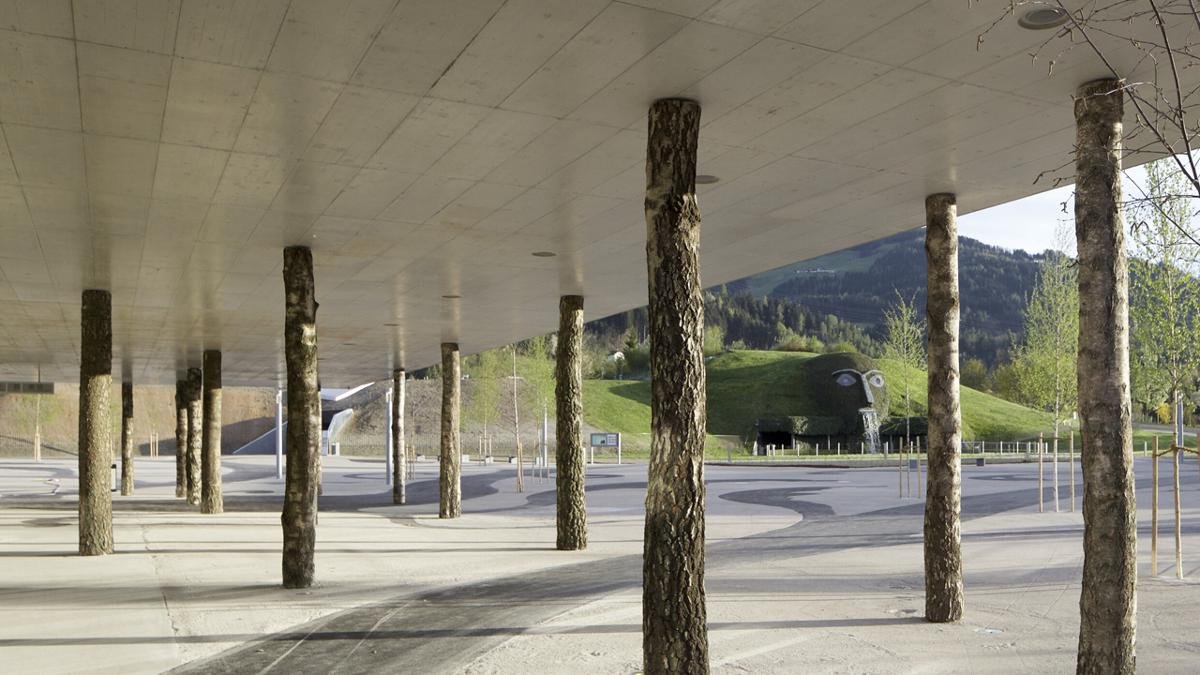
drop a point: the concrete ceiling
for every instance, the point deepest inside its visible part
(168, 149)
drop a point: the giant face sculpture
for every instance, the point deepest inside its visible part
(840, 385)
(871, 379)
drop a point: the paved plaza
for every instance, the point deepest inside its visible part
(809, 570)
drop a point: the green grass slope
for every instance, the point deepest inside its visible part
(746, 385)
(985, 417)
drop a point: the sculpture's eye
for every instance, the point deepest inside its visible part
(846, 380)
(876, 380)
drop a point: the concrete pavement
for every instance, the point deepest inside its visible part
(809, 570)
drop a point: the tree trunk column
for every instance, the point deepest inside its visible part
(399, 452)
(195, 445)
(674, 631)
(303, 418)
(126, 439)
(95, 454)
(211, 500)
(568, 410)
(1107, 603)
(943, 495)
(181, 438)
(449, 477)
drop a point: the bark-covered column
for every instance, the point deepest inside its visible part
(1107, 603)
(211, 499)
(126, 438)
(95, 453)
(449, 476)
(303, 418)
(674, 630)
(195, 441)
(568, 411)
(399, 453)
(943, 495)
(181, 438)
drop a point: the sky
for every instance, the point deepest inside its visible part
(1027, 224)
(1030, 224)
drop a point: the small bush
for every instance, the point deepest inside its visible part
(840, 347)
(799, 343)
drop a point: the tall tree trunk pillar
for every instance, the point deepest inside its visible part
(568, 406)
(674, 630)
(943, 493)
(181, 438)
(449, 476)
(195, 415)
(211, 499)
(126, 438)
(1107, 603)
(95, 453)
(399, 452)
(303, 418)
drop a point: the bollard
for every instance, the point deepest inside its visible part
(1178, 531)
(1071, 455)
(908, 472)
(1055, 472)
(919, 489)
(1154, 511)
(1041, 489)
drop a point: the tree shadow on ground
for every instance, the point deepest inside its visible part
(436, 633)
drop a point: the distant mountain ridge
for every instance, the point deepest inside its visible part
(858, 284)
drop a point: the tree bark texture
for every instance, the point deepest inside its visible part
(449, 477)
(1108, 601)
(943, 493)
(303, 418)
(181, 436)
(126, 438)
(674, 620)
(399, 452)
(571, 506)
(195, 414)
(95, 449)
(211, 499)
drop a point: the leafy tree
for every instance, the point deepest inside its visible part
(536, 367)
(1006, 382)
(1165, 296)
(975, 374)
(905, 344)
(714, 339)
(1044, 361)
(486, 371)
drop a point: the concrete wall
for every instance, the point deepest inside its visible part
(247, 413)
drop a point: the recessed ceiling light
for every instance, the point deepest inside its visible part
(544, 254)
(1041, 18)
(452, 297)
(706, 179)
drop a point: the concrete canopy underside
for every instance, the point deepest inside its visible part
(169, 150)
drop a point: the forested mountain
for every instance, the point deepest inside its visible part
(841, 298)
(860, 283)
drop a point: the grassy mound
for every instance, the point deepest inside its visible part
(746, 385)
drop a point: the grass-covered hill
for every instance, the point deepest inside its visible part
(746, 385)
